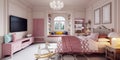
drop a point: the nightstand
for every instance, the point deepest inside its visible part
(112, 52)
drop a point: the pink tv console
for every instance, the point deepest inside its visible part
(12, 47)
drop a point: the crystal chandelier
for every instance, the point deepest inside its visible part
(56, 4)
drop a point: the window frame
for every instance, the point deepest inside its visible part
(61, 20)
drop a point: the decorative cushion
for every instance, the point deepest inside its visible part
(7, 38)
(29, 35)
(93, 36)
(102, 36)
(103, 40)
(52, 33)
(65, 32)
(14, 37)
(59, 32)
(82, 37)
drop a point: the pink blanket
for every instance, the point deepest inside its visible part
(71, 44)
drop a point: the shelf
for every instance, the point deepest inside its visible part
(78, 26)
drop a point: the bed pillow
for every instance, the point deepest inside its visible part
(7, 38)
(82, 37)
(102, 36)
(14, 37)
(59, 32)
(93, 36)
(103, 40)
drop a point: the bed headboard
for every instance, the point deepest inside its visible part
(102, 30)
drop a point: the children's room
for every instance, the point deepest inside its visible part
(59, 30)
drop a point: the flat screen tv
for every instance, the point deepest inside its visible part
(17, 24)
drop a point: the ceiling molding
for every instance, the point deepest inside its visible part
(27, 3)
(67, 3)
(64, 9)
(21, 3)
(91, 3)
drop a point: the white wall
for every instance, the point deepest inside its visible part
(42, 13)
(1, 22)
(20, 9)
(17, 8)
(2, 25)
(98, 4)
(2, 17)
(118, 16)
(79, 14)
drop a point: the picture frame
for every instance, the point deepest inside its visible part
(106, 14)
(97, 16)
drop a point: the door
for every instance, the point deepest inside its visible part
(38, 30)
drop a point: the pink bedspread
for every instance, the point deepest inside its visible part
(71, 44)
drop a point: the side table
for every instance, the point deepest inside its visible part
(112, 52)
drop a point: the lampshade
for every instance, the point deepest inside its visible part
(56, 4)
(113, 35)
(115, 39)
(115, 42)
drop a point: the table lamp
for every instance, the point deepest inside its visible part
(114, 39)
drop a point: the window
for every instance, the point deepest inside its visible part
(59, 23)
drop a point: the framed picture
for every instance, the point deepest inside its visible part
(97, 16)
(106, 14)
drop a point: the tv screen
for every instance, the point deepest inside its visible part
(17, 24)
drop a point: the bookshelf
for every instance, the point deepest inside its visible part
(79, 26)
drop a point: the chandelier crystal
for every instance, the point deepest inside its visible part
(56, 4)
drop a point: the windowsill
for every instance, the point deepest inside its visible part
(56, 35)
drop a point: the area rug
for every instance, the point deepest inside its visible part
(73, 57)
(77, 57)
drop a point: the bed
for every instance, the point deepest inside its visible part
(85, 44)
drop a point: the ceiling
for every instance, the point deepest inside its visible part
(67, 3)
